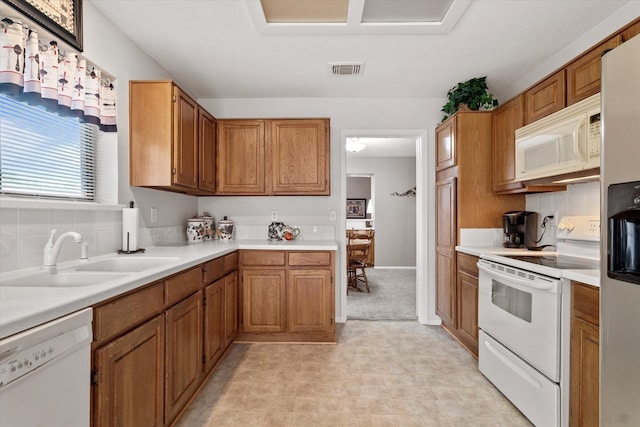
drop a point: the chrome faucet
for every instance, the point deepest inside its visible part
(51, 249)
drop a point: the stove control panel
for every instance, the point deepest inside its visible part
(584, 228)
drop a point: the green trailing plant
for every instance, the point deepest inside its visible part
(474, 93)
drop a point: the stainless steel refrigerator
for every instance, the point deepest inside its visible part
(620, 225)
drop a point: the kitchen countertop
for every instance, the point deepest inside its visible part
(23, 307)
(590, 277)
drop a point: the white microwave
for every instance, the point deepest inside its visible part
(563, 142)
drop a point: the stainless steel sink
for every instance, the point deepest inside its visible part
(126, 265)
(62, 279)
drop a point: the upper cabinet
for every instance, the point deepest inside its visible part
(165, 136)
(545, 98)
(273, 157)
(207, 147)
(299, 156)
(583, 74)
(241, 157)
(445, 145)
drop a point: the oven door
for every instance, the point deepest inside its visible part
(521, 310)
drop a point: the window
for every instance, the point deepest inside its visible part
(43, 154)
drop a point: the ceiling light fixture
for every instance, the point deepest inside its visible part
(354, 145)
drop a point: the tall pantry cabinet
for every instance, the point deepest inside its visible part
(464, 199)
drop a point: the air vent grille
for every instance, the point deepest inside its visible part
(346, 69)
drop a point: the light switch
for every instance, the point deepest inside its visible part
(154, 215)
(274, 215)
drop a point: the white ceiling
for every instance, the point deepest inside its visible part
(213, 48)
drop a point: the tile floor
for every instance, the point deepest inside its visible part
(382, 373)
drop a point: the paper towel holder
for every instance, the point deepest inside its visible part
(127, 251)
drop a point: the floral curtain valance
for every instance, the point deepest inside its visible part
(38, 73)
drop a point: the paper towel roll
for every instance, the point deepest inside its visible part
(129, 229)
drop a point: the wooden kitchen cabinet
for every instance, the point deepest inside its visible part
(585, 356)
(163, 137)
(214, 317)
(507, 118)
(241, 157)
(183, 353)
(445, 251)
(465, 199)
(467, 292)
(583, 73)
(299, 156)
(264, 300)
(231, 307)
(273, 157)
(207, 151)
(545, 98)
(445, 145)
(287, 296)
(129, 377)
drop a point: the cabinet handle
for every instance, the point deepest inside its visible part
(173, 171)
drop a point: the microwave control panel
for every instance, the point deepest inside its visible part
(593, 135)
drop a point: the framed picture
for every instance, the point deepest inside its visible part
(63, 18)
(356, 208)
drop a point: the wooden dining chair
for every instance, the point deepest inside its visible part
(358, 247)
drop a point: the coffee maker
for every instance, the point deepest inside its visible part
(519, 229)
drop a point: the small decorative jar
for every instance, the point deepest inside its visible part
(225, 229)
(275, 228)
(195, 230)
(209, 226)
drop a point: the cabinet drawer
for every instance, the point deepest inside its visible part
(182, 285)
(468, 264)
(230, 262)
(309, 258)
(123, 313)
(263, 258)
(586, 303)
(213, 270)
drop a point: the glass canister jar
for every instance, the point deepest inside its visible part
(226, 229)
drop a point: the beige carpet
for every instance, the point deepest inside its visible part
(392, 297)
(379, 374)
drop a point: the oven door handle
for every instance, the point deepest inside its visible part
(514, 279)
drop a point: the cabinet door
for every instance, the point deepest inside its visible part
(231, 306)
(309, 301)
(263, 300)
(585, 371)
(241, 157)
(299, 151)
(207, 150)
(545, 98)
(185, 140)
(446, 144)
(506, 119)
(583, 74)
(445, 251)
(467, 296)
(183, 353)
(130, 385)
(214, 335)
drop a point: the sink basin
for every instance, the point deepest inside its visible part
(126, 265)
(62, 279)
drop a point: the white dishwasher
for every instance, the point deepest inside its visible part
(45, 373)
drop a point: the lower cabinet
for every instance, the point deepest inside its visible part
(287, 296)
(467, 299)
(585, 356)
(129, 377)
(154, 346)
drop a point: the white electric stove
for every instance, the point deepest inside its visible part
(523, 316)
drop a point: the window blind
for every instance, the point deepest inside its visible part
(43, 154)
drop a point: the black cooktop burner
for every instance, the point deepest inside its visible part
(558, 261)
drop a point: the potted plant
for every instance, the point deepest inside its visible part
(473, 93)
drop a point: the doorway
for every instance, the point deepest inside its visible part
(381, 175)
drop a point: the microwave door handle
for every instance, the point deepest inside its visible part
(516, 280)
(580, 145)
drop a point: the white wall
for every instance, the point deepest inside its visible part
(25, 230)
(395, 217)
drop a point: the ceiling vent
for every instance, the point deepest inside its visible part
(346, 68)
